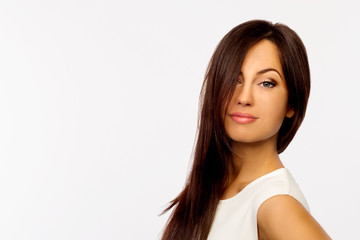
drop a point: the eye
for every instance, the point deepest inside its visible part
(267, 84)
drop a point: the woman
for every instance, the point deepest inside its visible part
(254, 99)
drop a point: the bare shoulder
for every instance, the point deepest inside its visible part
(283, 217)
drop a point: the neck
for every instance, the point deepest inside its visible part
(253, 160)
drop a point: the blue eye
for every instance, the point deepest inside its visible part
(268, 84)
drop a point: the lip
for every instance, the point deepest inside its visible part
(240, 117)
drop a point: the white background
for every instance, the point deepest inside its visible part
(98, 111)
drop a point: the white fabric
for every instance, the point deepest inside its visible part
(236, 217)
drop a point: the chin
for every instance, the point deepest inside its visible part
(244, 138)
(248, 138)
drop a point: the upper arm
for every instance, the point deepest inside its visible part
(283, 217)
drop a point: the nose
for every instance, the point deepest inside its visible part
(245, 96)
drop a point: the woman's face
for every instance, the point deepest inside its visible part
(260, 100)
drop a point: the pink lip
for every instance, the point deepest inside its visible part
(243, 117)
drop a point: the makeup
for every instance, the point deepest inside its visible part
(243, 118)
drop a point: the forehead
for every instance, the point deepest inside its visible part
(262, 55)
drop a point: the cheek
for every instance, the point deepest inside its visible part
(276, 109)
(230, 105)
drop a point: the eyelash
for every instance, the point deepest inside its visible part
(272, 84)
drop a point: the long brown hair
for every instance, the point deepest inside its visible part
(195, 207)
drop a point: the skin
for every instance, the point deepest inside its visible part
(262, 92)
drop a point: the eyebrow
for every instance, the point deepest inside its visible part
(268, 70)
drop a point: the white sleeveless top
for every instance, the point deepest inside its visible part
(236, 217)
